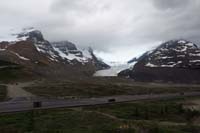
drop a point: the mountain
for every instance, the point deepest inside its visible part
(132, 60)
(100, 65)
(72, 53)
(172, 61)
(29, 50)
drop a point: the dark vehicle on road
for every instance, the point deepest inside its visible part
(111, 100)
(37, 104)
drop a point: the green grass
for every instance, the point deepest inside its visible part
(14, 73)
(3, 92)
(76, 89)
(10, 74)
(71, 121)
(97, 89)
(68, 121)
(5, 63)
(98, 120)
(159, 111)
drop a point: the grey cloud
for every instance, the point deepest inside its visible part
(115, 26)
(171, 4)
(78, 7)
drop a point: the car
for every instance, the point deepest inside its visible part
(37, 104)
(111, 100)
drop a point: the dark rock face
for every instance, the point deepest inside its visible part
(132, 60)
(100, 65)
(65, 45)
(173, 61)
(176, 75)
(70, 48)
(125, 73)
(67, 48)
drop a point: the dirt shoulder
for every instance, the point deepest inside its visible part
(16, 90)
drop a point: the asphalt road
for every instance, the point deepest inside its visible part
(23, 104)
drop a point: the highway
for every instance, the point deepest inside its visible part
(27, 104)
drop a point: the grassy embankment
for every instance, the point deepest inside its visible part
(3, 92)
(149, 117)
(97, 88)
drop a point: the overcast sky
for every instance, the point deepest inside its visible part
(117, 29)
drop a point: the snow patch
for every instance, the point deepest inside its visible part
(165, 57)
(21, 57)
(189, 44)
(179, 62)
(169, 64)
(198, 54)
(182, 41)
(71, 56)
(173, 65)
(194, 61)
(86, 53)
(2, 49)
(181, 49)
(63, 55)
(164, 49)
(150, 65)
(180, 55)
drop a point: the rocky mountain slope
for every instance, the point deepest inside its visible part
(173, 61)
(30, 50)
(69, 50)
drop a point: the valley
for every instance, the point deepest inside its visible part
(100, 66)
(57, 87)
(86, 102)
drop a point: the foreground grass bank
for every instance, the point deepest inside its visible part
(3, 92)
(96, 88)
(148, 117)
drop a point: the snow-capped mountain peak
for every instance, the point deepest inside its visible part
(69, 51)
(31, 34)
(63, 51)
(173, 61)
(30, 49)
(16, 35)
(174, 53)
